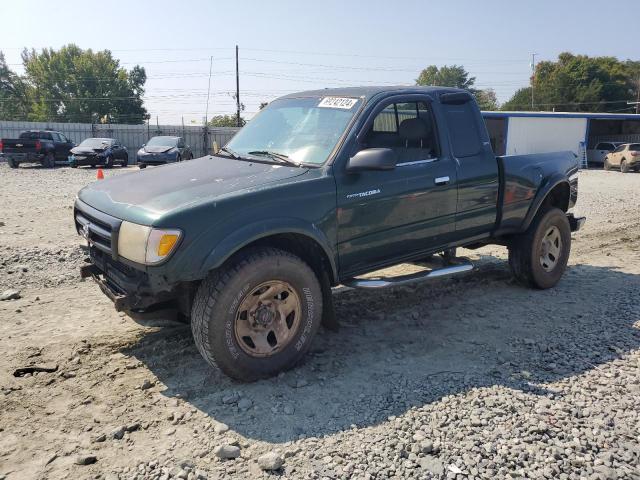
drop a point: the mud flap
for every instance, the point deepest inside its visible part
(329, 320)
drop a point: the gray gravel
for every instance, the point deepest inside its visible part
(473, 377)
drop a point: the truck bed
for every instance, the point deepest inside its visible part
(524, 178)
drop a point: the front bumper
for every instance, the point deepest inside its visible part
(86, 159)
(155, 159)
(127, 287)
(127, 284)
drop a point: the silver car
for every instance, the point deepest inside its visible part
(596, 155)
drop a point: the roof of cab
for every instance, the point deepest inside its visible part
(370, 92)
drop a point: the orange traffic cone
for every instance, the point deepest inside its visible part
(100, 175)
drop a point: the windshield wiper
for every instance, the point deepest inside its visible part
(231, 153)
(280, 157)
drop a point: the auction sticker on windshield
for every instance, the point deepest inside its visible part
(337, 102)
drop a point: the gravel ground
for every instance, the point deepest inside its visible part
(472, 377)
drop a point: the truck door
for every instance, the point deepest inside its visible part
(477, 167)
(385, 216)
(61, 145)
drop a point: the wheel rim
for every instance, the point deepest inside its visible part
(267, 318)
(551, 249)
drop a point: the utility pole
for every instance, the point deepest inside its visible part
(237, 91)
(206, 115)
(533, 77)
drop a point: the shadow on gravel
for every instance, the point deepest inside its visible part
(409, 346)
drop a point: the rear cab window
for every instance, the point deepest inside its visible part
(463, 129)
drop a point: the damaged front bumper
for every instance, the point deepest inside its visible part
(128, 288)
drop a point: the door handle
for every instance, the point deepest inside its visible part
(441, 180)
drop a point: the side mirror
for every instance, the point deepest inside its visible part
(372, 159)
(143, 145)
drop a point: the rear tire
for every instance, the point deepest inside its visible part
(108, 162)
(141, 166)
(539, 257)
(12, 163)
(224, 327)
(624, 166)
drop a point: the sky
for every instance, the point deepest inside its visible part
(289, 46)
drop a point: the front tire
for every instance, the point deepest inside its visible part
(257, 316)
(539, 257)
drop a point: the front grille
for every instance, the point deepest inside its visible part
(100, 229)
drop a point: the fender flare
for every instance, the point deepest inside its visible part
(248, 234)
(541, 195)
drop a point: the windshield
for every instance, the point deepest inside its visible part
(95, 142)
(304, 129)
(162, 142)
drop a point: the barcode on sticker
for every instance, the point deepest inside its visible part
(338, 102)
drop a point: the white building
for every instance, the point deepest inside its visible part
(514, 133)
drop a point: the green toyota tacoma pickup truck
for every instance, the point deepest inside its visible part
(317, 190)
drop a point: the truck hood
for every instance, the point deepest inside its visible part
(86, 150)
(144, 196)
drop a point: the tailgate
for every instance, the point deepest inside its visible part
(12, 145)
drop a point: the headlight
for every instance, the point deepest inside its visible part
(146, 245)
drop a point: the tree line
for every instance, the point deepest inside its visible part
(72, 85)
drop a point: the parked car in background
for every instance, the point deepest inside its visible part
(626, 157)
(595, 156)
(163, 149)
(36, 146)
(99, 151)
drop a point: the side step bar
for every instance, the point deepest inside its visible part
(411, 278)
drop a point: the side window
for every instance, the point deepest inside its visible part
(56, 137)
(47, 136)
(406, 128)
(386, 121)
(63, 138)
(619, 149)
(406, 111)
(463, 129)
